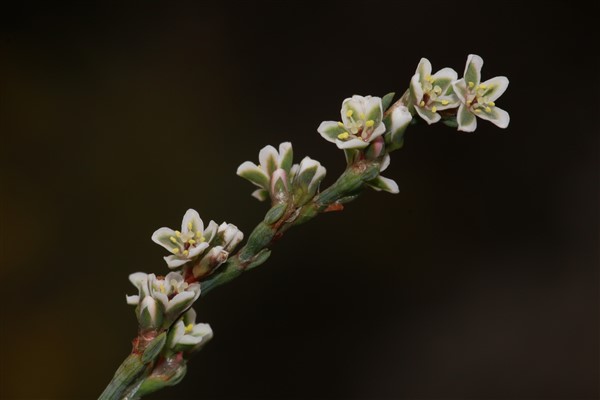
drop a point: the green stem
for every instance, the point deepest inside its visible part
(126, 376)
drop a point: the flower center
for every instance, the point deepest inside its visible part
(477, 98)
(184, 241)
(360, 128)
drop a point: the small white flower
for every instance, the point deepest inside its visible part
(432, 93)
(187, 335)
(361, 123)
(168, 296)
(270, 161)
(187, 244)
(228, 236)
(479, 99)
(399, 118)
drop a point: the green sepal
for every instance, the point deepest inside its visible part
(275, 213)
(154, 348)
(450, 121)
(386, 101)
(154, 383)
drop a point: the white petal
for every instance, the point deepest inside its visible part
(250, 171)
(173, 261)
(189, 340)
(498, 117)
(161, 297)
(351, 144)
(260, 194)
(380, 130)
(189, 317)
(173, 276)
(429, 116)
(137, 278)
(268, 157)
(382, 183)
(211, 230)
(385, 163)
(192, 222)
(285, 156)
(162, 237)
(176, 333)
(132, 300)
(330, 130)
(181, 300)
(495, 87)
(473, 69)
(445, 75)
(357, 104)
(197, 249)
(202, 330)
(307, 163)
(466, 119)
(416, 90)
(423, 69)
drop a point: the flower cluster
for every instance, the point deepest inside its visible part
(279, 179)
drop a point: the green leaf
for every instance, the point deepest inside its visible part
(275, 213)
(386, 101)
(451, 122)
(259, 259)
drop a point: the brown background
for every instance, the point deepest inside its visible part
(479, 280)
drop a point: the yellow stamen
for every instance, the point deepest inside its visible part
(471, 84)
(198, 234)
(349, 113)
(445, 102)
(189, 328)
(478, 110)
(343, 136)
(434, 109)
(202, 239)
(370, 123)
(190, 226)
(186, 253)
(487, 109)
(177, 233)
(341, 124)
(491, 103)
(361, 116)
(175, 250)
(429, 78)
(162, 288)
(469, 102)
(437, 89)
(422, 104)
(191, 241)
(482, 86)
(172, 239)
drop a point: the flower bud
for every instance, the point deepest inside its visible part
(211, 261)
(306, 182)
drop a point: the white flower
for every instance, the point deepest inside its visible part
(271, 161)
(432, 93)
(187, 335)
(382, 183)
(361, 123)
(479, 99)
(162, 297)
(228, 236)
(187, 244)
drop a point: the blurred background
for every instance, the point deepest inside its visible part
(478, 281)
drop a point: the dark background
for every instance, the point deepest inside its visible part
(479, 280)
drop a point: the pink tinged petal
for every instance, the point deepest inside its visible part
(385, 163)
(192, 222)
(137, 278)
(416, 90)
(268, 157)
(495, 87)
(197, 249)
(132, 300)
(174, 262)
(497, 116)
(260, 194)
(444, 78)
(429, 116)
(460, 90)
(286, 156)
(163, 236)
(473, 69)
(351, 144)
(250, 171)
(423, 69)
(466, 119)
